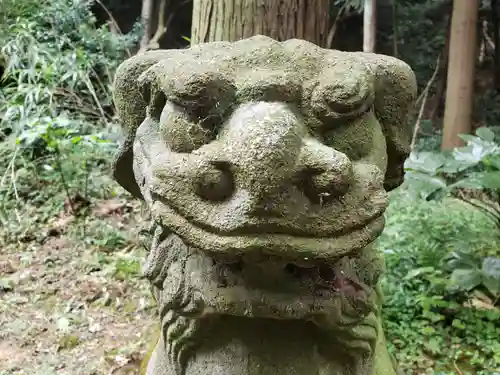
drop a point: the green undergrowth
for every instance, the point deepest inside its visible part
(428, 328)
(442, 251)
(57, 124)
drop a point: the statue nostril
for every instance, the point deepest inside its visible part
(326, 174)
(215, 183)
(330, 182)
(325, 185)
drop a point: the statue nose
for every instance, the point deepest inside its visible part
(264, 150)
(262, 142)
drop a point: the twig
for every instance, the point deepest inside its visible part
(113, 21)
(85, 195)
(162, 26)
(146, 14)
(487, 37)
(333, 29)
(443, 69)
(4, 177)
(90, 87)
(480, 207)
(11, 168)
(481, 52)
(423, 96)
(14, 186)
(394, 30)
(457, 369)
(57, 159)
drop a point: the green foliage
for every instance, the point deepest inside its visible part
(433, 175)
(432, 323)
(352, 5)
(420, 38)
(56, 107)
(56, 61)
(443, 261)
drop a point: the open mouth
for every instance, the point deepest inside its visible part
(272, 287)
(271, 244)
(245, 278)
(317, 278)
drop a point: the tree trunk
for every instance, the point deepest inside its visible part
(496, 42)
(461, 71)
(146, 20)
(231, 20)
(436, 106)
(369, 25)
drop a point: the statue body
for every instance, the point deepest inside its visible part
(265, 166)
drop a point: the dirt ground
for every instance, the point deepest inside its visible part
(71, 297)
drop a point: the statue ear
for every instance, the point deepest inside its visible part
(395, 94)
(131, 101)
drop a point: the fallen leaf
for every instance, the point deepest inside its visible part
(109, 207)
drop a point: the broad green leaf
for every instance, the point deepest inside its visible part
(488, 180)
(453, 166)
(432, 181)
(457, 323)
(466, 279)
(467, 183)
(485, 134)
(428, 330)
(493, 161)
(423, 185)
(428, 162)
(468, 138)
(433, 346)
(491, 267)
(492, 284)
(475, 151)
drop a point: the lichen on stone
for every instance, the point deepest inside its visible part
(265, 166)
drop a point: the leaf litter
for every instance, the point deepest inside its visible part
(71, 297)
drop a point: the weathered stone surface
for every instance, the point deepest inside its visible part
(265, 167)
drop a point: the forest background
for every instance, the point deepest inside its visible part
(71, 297)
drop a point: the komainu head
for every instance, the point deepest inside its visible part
(265, 166)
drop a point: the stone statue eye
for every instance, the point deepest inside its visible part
(207, 113)
(189, 112)
(205, 98)
(342, 97)
(180, 132)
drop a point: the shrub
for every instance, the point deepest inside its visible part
(443, 267)
(56, 112)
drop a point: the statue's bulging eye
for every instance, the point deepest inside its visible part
(208, 115)
(206, 98)
(180, 132)
(342, 94)
(189, 112)
(340, 101)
